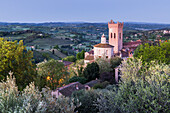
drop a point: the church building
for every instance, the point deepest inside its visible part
(114, 47)
(107, 49)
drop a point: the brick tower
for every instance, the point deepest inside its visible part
(116, 35)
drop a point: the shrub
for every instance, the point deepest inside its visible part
(101, 85)
(144, 89)
(82, 80)
(107, 76)
(31, 100)
(87, 99)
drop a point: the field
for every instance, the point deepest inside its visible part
(47, 43)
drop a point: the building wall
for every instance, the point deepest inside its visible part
(103, 52)
(116, 35)
(56, 93)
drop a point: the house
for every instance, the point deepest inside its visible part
(67, 90)
(66, 63)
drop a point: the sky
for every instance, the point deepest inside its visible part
(38, 11)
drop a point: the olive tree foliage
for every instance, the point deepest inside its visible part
(143, 89)
(88, 99)
(31, 100)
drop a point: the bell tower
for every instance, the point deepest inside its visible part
(116, 35)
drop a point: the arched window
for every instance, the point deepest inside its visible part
(114, 35)
(120, 35)
(111, 35)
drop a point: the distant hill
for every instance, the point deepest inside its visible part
(127, 25)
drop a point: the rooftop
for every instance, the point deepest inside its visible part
(67, 90)
(103, 45)
(89, 57)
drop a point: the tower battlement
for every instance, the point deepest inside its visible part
(115, 24)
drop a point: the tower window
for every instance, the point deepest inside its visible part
(114, 35)
(120, 35)
(111, 35)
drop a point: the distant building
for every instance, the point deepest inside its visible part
(166, 32)
(66, 63)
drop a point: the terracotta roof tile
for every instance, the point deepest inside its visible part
(91, 52)
(66, 63)
(103, 45)
(89, 57)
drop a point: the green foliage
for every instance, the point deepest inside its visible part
(78, 79)
(80, 71)
(76, 69)
(91, 72)
(101, 85)
(39, 56)
(52, 74)
(70, 58)
(150, 52)
(115, 61)
(56, 47)
(31, 100)
(15, 57)
(46, 55)
(80, 55)
(87, 99)
(107, 76)
(104, 65)
(146, 90)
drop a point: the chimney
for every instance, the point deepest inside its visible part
(77, 87)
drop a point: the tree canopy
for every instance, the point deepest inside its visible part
(14, 57)
(52, 74)
(91, 72)
(70, 58)
(104, 65)
(80, 55)
(159, 52)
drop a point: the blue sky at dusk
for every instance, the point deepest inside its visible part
(153, 11)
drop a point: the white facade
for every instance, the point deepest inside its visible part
(103, 52)
(56, 93)
(103, 49)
